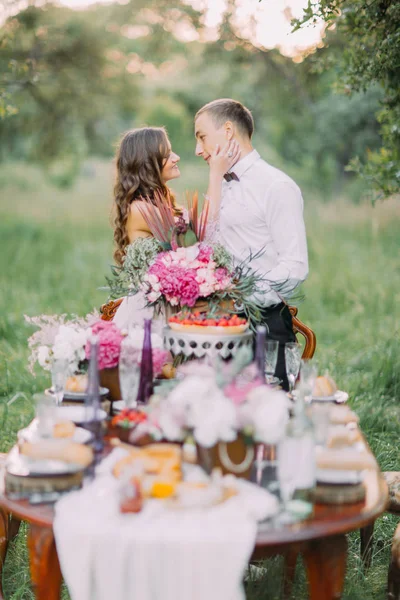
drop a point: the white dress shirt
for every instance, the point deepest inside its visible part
(264, 211)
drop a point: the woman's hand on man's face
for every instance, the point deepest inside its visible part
(222, 160)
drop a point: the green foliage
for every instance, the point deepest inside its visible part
(369, 57)
(72, 82)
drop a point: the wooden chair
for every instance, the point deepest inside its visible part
(109, 309)
(306, 332)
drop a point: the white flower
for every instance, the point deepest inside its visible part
(136, 336)
(69, 345)
(204, 409)
(214, 421)
(266, 412)
(153, 279)
(153, 296)
(44, 357)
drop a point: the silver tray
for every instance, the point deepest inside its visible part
(200, 345)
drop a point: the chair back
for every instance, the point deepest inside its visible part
(109, 309)
(306, 332)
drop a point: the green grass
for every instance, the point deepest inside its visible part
(56, 247)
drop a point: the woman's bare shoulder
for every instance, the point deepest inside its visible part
(136, 224)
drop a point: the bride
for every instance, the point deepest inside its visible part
(145, 163)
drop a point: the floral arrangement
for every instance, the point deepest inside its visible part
(177, 267)
(198, 407)
(61, 339)
(216, 404)
(183, 276)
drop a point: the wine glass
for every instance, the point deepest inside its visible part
(308, 375)
(292, 360)
(286, 471)
(129, 372)
(45, 410)
(59, 372)
(271, 357)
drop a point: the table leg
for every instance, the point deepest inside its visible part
(4, 524)
(326, 567)
(44, 565)
(366, 544)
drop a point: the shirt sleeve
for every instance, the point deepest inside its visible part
(284, 217)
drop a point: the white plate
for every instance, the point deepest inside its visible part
(23, 466)
(339, 397)
(77, 414)
(79, 396)
(30, 434)
(118, 406)
(339, 476)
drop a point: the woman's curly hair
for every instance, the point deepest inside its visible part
(140, 159)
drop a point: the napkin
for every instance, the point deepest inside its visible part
(160, 553)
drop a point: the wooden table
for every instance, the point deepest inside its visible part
(321, 539)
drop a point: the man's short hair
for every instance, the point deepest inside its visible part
(224, 110)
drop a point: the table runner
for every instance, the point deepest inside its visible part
(159, 553)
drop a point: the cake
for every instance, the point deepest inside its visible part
(324, 386)
(76, 384)
(64, 429)
(208, 324)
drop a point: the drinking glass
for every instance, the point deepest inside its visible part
(129, 372)
(271, 357)
(286, 471)
(308, 375)
(59, 373)
(292, 360)
(45, 409)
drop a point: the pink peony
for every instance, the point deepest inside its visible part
(189, 289)
(110, 339)
(160, 358)
(205, 253)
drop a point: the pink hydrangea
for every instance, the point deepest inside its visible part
(110, 339)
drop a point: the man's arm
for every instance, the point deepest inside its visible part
(284, 217)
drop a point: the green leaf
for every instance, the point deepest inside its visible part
(190, 238)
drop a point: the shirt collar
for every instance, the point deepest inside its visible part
(245, 163)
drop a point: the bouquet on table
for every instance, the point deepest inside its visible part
(217, 407)
(177, 267)
(67, 340)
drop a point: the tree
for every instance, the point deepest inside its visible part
(370, 57)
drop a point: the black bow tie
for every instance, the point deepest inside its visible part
(231, 176)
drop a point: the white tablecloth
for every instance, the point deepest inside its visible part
(160, 553)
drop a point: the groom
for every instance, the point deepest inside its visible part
(261, 208)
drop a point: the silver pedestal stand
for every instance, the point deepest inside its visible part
(193, 345)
